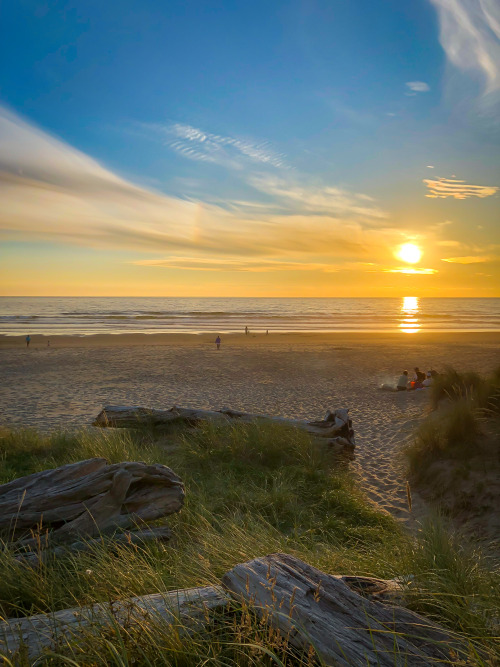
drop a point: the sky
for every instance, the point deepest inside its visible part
(222, 148)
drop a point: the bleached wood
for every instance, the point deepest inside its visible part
(309, 607)
(312, 608)
(87, 498)
(34, 634)
(336, 427)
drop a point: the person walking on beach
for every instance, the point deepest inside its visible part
(28, 339)
(217, 342)
(246, 331)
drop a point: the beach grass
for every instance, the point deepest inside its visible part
(463, 423)
(251, 490)
(483, 392)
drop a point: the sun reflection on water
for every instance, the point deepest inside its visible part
(409, 310)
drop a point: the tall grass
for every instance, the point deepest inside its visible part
(454, 581)
(454, 432)
(466, 404)
(481, 392)
(250, 490)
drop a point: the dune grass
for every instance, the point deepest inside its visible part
(481, 392)
(467, 409)
(250, 490)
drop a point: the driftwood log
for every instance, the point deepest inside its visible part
(135, 539)
(30, 637)
(312, 608)
(336, 427)
(349, 620)
(86, 499)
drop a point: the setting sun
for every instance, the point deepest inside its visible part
(409, 253)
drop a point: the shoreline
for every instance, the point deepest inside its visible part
(39, 341)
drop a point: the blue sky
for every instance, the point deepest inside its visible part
(236, 123)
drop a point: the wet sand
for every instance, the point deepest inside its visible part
(294, 375)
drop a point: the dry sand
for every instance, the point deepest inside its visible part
(294, 375)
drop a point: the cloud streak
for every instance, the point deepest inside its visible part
(318, 200)
(470, 259)
(240, 265)
(418, 86)
(442, 188)
(410, 271)
(196, 144)
(470, 37)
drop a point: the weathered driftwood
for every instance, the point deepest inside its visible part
(136, 538)
(188, 608)
(312, 608)
(87, 499)
(336, 427)
(349, 620)
(33, 635)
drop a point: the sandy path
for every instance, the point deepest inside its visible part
(66, 387)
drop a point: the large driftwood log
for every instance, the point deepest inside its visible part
(87, 498)
(188, 608)
(33, 635)
(312, 608)
(336, 427)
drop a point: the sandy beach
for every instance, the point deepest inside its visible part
(296, 375)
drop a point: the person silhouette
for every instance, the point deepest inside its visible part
(28, 339)
(217, 342)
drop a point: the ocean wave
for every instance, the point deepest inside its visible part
(127, 314)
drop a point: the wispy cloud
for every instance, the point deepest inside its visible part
(470, 37)
(418, 86)
(254, 266)
(449, 244)
(411, 271)
(471, 259)
(447, 187)
(439, 227)
(196, 144)
(52, 192)
(318, 200)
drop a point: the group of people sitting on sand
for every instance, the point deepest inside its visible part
(420, 380)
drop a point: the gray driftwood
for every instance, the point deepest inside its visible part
(312, 608)
(33, 635)
(135, 539)
(350, 620)
(87, 499)
(336, 427)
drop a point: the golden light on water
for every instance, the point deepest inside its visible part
(410, 254)
(409, 310)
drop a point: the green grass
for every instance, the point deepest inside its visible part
(455, 431)
(467, 406)
(250, 490)
(481, 392)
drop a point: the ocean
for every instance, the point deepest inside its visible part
(92, 315)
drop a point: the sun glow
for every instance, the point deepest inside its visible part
(409, 253)
(409, 315)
